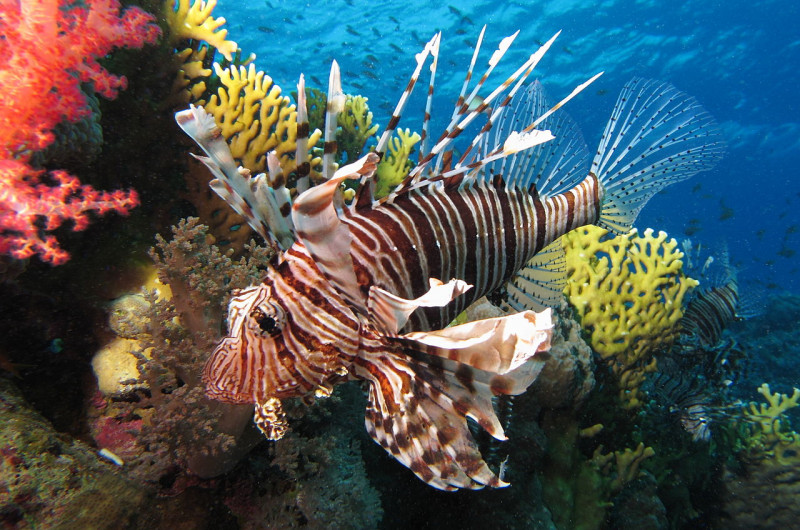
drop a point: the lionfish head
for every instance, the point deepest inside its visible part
(277, 347)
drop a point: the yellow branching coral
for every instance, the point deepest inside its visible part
(623, 464)
(628, 291)
(770, 436)
(356, 127)
(255, 119)
(195, 22)
(190, 80)
(394, 167)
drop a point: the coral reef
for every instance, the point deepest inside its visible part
(768, 437)
(47, 479)
(628, 292)
(315, 475)
(51, 47)
(174, 427)
(355, 128)
(764, 494)
(194, 22)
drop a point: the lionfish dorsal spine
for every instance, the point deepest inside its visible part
(301, 147)
(421, 57)
(333, 107)
(255, 202)
(516, 79)
(423, 150)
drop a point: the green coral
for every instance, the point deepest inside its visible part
(770, 435)
(356, 127)
(396, 165)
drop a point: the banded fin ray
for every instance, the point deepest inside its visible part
(251, 197)
(551, 167)
(334, 107)
(656, 136)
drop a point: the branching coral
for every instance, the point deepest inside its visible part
(196, 23)
(770, 433)
(395, 167)
(628, 291)
(255, 119)
(356, 127)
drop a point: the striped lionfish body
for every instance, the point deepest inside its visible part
(359, 291)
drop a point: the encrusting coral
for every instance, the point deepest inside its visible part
(628, 292)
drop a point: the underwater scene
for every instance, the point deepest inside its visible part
(392, 265)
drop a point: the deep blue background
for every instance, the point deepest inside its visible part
(739, 58)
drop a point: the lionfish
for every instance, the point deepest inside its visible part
(715, 304)
(359, 292)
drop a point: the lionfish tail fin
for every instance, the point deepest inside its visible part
(418, 408)
(656, 136)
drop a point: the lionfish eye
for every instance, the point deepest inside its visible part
(268, 322)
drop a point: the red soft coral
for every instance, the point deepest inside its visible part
(47, 49)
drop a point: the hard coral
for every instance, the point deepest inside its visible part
(628, 291)
(51, 47)
(394, 168)
(194, 22)
(255, 118)
(356, 127)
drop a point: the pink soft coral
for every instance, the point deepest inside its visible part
(47, 49)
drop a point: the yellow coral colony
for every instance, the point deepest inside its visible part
(394, 168)
(770, 436)
(194, 24)
(628, 291)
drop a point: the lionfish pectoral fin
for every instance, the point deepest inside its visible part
(540, 283)
(325, 236)
(498, 346)
(418, 408)
(270, 419)
(418, 415)
(389, 312)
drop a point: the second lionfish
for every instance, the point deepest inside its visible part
(357, 291)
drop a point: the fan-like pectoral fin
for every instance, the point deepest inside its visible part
(425, 387)
(497, 345)
(327, 239)
(419, 415)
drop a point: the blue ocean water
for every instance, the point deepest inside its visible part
(738, 58)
